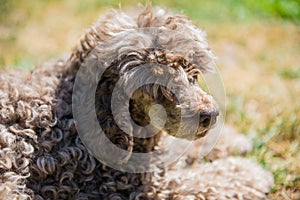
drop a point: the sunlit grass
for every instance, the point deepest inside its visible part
(290, 73)
(256, 42)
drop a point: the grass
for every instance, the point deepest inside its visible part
(290, 73)
(257, 44)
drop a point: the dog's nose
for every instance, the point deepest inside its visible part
(208, 118)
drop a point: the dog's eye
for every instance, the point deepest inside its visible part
(191, 79)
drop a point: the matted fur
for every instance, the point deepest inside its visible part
(42, 156)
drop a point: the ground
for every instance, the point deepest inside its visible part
(257, 46)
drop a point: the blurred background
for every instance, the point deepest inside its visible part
(257, 43)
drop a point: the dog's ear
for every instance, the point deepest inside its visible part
(123, 120)
(94, 124)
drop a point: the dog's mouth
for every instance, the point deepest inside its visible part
(191, 131)
(200, 134)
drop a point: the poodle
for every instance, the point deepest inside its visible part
(142, 72)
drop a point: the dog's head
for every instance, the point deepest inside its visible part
(164, 92)
(155, 60)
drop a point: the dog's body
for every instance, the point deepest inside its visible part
(42, 155)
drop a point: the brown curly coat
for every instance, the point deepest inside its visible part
(42, 156)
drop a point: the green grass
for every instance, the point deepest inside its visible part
(276, 137)
(257, 42)
(290, 73)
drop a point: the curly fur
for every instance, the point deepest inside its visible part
(42, 156)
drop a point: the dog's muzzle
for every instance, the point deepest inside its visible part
(207, 120)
